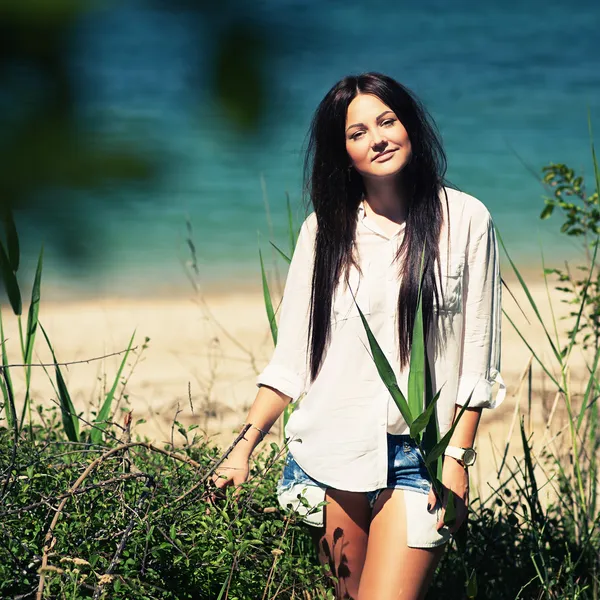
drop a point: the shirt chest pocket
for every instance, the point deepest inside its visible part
(348, 295)
(452, 284)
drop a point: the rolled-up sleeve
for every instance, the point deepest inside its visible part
(288, 368)
(482, 302)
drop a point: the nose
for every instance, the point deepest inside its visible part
(378, 142)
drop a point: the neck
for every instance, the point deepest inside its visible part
(387, 198)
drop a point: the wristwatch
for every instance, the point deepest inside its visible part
(465, 456)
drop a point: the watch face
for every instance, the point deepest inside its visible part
(469, 456)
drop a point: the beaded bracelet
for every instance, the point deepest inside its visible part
(262, 432)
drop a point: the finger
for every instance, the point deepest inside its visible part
(440, 522)
(442, 504)
(221, 480)
(431, 500)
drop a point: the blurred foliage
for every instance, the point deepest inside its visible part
(47, 152)
(581, 220)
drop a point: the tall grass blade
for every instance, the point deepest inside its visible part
(432, 433)
(532, 495)
(69, 417)
(10, 282)
(555, 350)
(472, 585)
(575, 329)
(32, 323)
(291, 230)
(450, 511)
(593, 464)
(100, 422)
(283, 255)
(544, 271)
(591, 385)
(9, 406)
(594, 159)
(12, 239)
(386, 372)
(68, 414)
(34, 309)
(422, 421)
(439, 448)
(537, 358)
(6, 404)
(268, 301)
(416, 374)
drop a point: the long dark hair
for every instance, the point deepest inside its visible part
(336, 189)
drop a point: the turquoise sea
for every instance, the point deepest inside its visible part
(509, 84)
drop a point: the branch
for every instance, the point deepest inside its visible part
(124, 538)
(84, 490)
(72, 362)
(50, 540)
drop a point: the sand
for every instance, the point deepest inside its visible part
(204, 352)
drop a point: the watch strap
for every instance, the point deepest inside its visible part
(454, 452)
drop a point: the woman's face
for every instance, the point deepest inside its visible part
(376, 141)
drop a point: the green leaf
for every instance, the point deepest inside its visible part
(432, 434)
(32, 323)
(68, 414)
(7, 386)
(450, 512)
(10, 282)
(416, 374)
(548, 210)
(267, 298)
(34, 308)
(385, 371)
(285, 257)
(439, 448)
(12, 239)
(104, 413)
(421, 422)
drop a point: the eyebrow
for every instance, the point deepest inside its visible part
(385, 112)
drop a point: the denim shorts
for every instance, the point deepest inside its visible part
(406, 471)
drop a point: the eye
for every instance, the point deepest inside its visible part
(388, 122)
(357, 135)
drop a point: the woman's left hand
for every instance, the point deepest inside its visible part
(456, 478)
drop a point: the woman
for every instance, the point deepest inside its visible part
(375, 174)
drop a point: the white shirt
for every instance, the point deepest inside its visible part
(337, 433)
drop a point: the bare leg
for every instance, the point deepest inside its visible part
(342, 542)
(392, 570)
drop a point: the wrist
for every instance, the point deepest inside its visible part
(251, 438)
(464, 456)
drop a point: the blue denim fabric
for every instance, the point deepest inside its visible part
(406, 470)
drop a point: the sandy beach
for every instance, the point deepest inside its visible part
(204, 352)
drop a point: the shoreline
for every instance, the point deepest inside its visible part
(67, 291)
(205, 352)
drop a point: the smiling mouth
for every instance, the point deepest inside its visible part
(382, 154)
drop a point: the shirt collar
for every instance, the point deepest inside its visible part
(362, 217)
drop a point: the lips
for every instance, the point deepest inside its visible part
(385, 153)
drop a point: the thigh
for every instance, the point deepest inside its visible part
(342, 542)
(392, 570)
